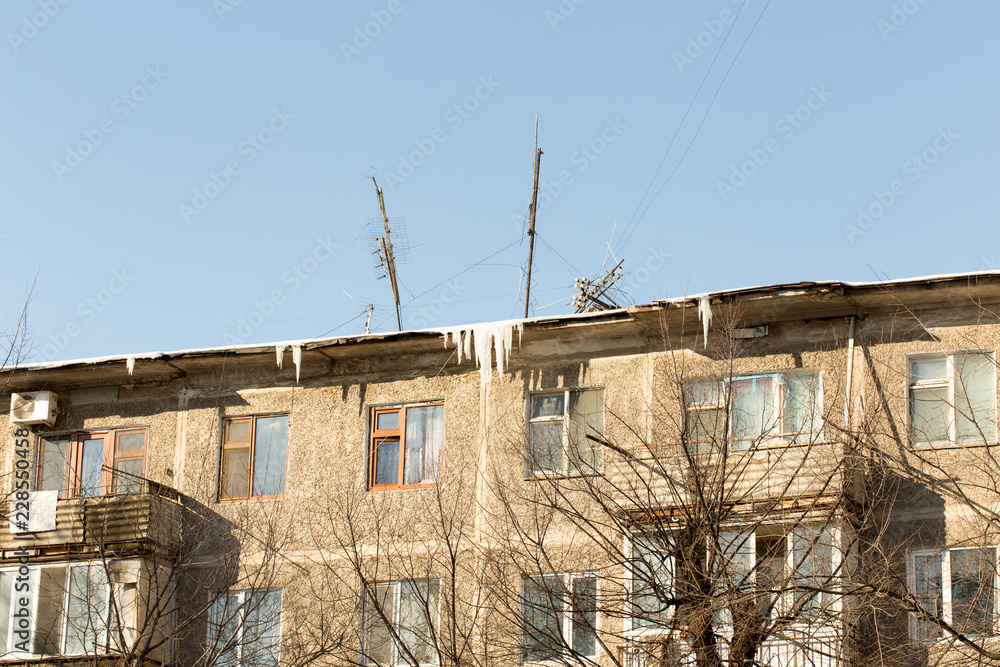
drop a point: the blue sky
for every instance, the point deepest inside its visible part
(193, 174)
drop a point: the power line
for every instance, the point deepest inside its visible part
(634, 225)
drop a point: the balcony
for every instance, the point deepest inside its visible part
(808, 649)
(125, 514)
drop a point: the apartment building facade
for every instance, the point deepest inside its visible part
(790, 475)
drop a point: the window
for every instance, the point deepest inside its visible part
(956, 586)
(651, 574)
(750, 408)
(560, 615)
(254, 451)
(400, 623)
(780, 570)
(92, 464)
(558, 426)
(952, 399)
(245, 628)
(406, 446)
(68, 609)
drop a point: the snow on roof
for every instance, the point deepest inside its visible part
(296, 345)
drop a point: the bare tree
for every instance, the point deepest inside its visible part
(713, 526)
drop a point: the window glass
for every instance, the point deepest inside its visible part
(239, 431)
(378, 638)
(975, 410)
(50, 589)
(411, 609)
(418, 607)
(770, 573)
(269, 456)
(548, 406)
(423, 442)
(973, 572)
(387, 421)
(128, 483)
(706, 427)
(928, 591)
(544, 599)
(54, 466)
(545, 446)
(6, 585)
(86, 609)
(929, 410)
(801, 404)
(812, 560)
(131, 441)
(224, 628)
(584, 611)
(734, 571)
(755, 410)
(91, 462)
(651, 572)
(929, 370)
(707, 392)
(261, 631)
(387, 461)
(236, 472)
(586, 418)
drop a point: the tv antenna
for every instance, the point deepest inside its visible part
(593, 296)
(531, 222)
(382, 250)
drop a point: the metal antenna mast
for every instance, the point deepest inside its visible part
(385, 254)
(531, 221)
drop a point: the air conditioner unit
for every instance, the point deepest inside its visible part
(33, 407)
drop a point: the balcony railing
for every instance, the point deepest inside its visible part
(778, 652)
(124, 513)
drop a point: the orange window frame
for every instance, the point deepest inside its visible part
(111, 456)
(232, 447)
(379, 436)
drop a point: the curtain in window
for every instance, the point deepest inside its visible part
(975, 408)
(418, 611)
(755, 411)
(269, 456)
(586, 417)
(55, 463)
(378, 638)
(801, 404)
(423, 443)
(86, 609)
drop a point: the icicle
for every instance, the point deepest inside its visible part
(130, 364)
(481, 342)
(297, 360)
(705, 315)
(468, 346)
(279, 350)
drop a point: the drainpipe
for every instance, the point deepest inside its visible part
(850, 375)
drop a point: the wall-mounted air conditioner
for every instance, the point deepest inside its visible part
(33, 407)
